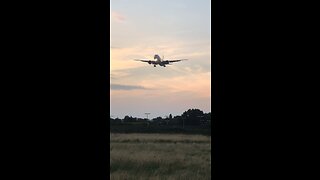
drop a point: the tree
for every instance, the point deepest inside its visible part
(129, 119)
(193, 116)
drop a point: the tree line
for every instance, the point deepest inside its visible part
(191, 117)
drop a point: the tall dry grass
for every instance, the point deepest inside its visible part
(160, 156)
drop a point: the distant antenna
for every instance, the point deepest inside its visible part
(147, 114)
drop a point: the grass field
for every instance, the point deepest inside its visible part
(160, 156)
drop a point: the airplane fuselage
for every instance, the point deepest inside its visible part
(157, 57)
(158, 61)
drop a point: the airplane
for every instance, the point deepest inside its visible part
(159, 61)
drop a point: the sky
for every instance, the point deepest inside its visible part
(175, 29)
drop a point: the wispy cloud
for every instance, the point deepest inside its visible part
(125, 87)
(118, 17)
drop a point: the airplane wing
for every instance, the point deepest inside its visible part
(146, 60)
(175, 60)
(142, 60)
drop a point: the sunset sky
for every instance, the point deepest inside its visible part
(175, 29)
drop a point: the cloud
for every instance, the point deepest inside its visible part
(125, 87)
(118, 17)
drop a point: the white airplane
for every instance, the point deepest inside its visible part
(159, 61)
